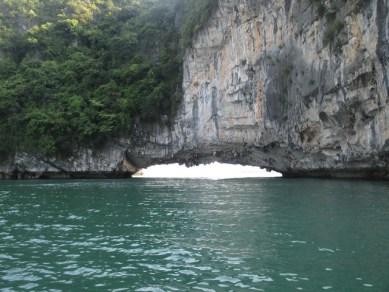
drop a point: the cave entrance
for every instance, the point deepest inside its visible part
(205, 171)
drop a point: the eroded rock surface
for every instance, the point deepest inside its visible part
(107, 162)
(276, 84)
(282, 84)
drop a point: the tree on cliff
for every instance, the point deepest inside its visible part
(77, 72)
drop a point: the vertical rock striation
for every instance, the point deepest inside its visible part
(288, 85)
(297, 86)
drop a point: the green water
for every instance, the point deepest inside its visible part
(190, 235)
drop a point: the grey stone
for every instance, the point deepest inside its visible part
(262, 88)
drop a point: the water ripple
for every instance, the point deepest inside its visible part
(180, 235)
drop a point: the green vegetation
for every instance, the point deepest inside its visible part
(78, 72)
(334, 21)
(197, 13)
(320, 6)
(333, 29)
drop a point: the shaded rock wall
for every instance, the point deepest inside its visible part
(107, 162)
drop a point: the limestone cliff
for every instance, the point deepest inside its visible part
(106, 162)
(296, 86)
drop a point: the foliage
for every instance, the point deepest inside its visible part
(197, 13)
(333, 29)
(334, 22)
(320, 6)
(77, 72)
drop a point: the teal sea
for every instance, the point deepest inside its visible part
(194, 235)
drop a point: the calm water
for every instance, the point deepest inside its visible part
(188, 235)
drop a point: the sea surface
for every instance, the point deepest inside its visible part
(194, 235)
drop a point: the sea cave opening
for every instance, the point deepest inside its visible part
(213, 170)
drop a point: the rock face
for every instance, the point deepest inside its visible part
(290, 85)
(108, 162)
